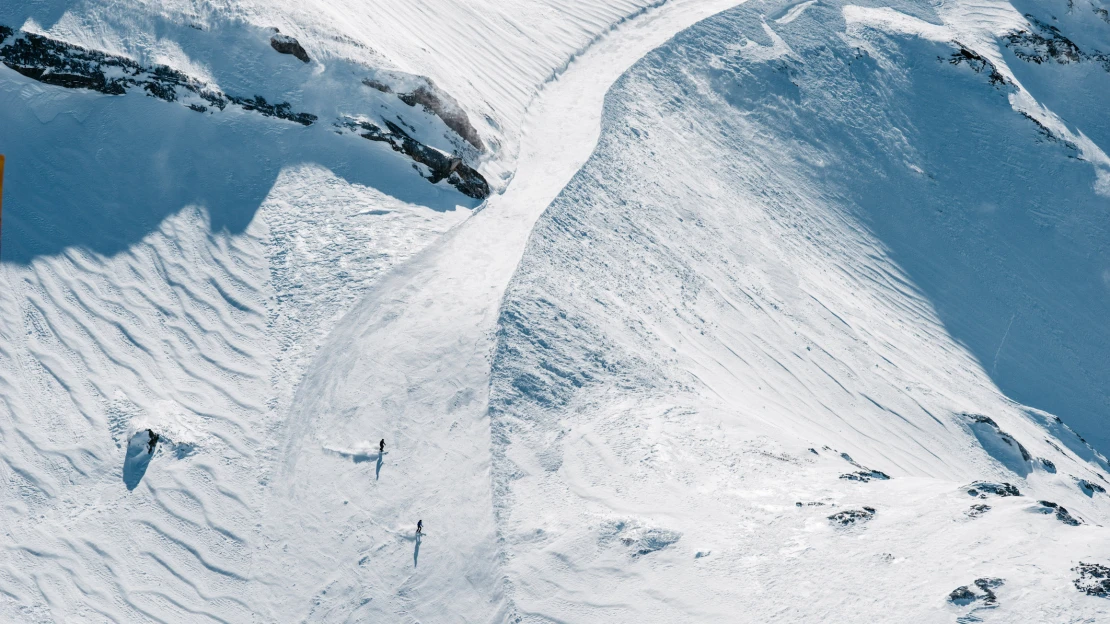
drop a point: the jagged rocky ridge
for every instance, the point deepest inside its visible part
(976, 62)
(62, 64)
(437, 103)
(440, 166)
(1048, 44)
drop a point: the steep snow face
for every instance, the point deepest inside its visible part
(763, 342)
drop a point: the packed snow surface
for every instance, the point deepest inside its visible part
(776, 312)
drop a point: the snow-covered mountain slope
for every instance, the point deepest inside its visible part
(803, 238)
(830, 266)
(177, 270)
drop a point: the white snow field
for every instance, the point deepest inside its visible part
(774, 311)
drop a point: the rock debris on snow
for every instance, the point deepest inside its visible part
(865, 476)
(850, 517)
(1093, 579)
(1048, 507)
(983, 488)
(977, 510)
(964, 595)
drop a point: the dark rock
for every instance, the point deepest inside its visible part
(979, 64)
(1093, 579)
(1061, 513)
(982, 488)
(379, 86)
(62, 64)
(865, 476)
(987, 585)
(441, 166)
(1044, 46)
(288, 45)
(65, 65)
(1051, 136)
(446, 108)
(1048, 44)
(281, 111)
(962, 596)
(849, 517)
(977, 510)
(1048, 465)
(1090, 488)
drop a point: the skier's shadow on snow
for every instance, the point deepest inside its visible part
(378, 468)
(416, 551)
(137, 459)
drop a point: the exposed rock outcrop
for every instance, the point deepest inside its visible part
(964, 595)
(849, 517)
(1093, 579)
(983, 488)
(978, 63)
(288, 45)
(62, 64)
(440, 166)
(1062, 514)
(438, 103)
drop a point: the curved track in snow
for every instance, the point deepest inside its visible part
(412, 364)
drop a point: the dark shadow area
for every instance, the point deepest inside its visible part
(995, 220)
(416, 551)
(140, 450)
(378, 468)
(100, 172)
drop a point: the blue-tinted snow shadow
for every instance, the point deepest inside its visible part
(416, 551)
(137, 459)
(100, 172)
(995, 223)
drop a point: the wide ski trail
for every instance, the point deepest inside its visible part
(412, 364)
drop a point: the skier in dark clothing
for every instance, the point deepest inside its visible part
(381, 446)
(419, 527)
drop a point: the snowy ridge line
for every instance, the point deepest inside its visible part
(994, 21)
(61, 64)
(558, 71)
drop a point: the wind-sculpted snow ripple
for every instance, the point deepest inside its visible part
(145, 340)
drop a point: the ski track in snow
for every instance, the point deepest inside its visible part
(203, 337)
(426, 333)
